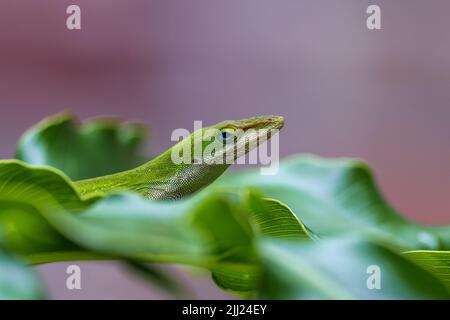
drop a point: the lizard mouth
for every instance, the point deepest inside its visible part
(262, 122)
(255, 131)
(239, 137)
(274, 122)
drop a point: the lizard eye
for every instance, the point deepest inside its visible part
(226, 136)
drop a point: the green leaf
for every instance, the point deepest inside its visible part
(210, 230)
(268, 218)
(43, 218)
(437, 262)
(338, 196)
(94, 148)
(237, 277)
(272, 218)
(26, 194)
(338, 269)
(17, 281)
(129, 226)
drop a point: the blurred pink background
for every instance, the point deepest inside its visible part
(345, 91)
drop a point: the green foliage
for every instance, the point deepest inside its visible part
(17, 281)
(95, 148)
(437, 262)
(335, 197)
(308, 232)
(27, 196)
(337, 269)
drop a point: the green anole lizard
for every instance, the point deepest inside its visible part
(162, 178)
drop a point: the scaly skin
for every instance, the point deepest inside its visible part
(161, 178)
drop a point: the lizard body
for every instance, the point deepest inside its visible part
(162, 178)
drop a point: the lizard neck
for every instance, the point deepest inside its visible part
(157, 179)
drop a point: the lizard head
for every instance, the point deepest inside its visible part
(228, 140)
(201, 157)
